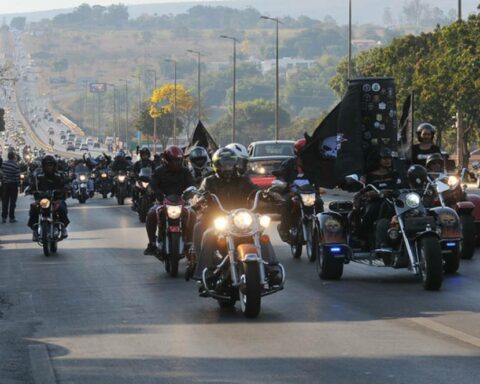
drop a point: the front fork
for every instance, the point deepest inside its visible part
(412, 254)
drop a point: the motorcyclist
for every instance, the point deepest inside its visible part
(369, 206)
(49, 180)
(199, 162)
(289, 171)
(435, 163)
(119, 164)
(233, 190)
(242, 156)
(425, 147)
(144, 162)
(171, 178)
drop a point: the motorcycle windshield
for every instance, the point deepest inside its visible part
(301, 185)
(81, 168)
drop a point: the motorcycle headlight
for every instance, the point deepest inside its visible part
(121, 178)
(83, 178)
(243, 220)
(145, 184)
(174, 211)
(265, 221)
(22, 177)
(44, 203)
(308, 199)
(93, 175)
(452, 181)
(220, 223)
(104, 175)
(412, 200)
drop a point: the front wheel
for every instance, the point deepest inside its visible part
(45, 238)
(250, 292)
(173, 256)
(469, 234)
(328, 267)
(431, 263)
(296, 244)
(120, 198)
(311, 241)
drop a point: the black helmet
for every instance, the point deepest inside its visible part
(198, 157)
(385, 153)
(224, 163)
(426, 126)
(434, 158)
(119, 155)
(144, 151)
(49, 160)
(417, 176)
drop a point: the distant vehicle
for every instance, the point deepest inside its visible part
(270, 148)
(51, 131)
(77, 145)
(96, 145)
(89, 141)
(71, 136)
(63, 137)
(84, 147)
(70, 147)
(64, 141)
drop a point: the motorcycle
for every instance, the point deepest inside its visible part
(144, 193)
(305, 230)
(103, 183)
(82, 186)
(23, 182)
(120, 182)
(48, 228)
(241, 273)
(451, 213)
(170, 241)
(412, 233)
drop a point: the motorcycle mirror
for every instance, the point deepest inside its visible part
(278, 185)
(351, 179)
(189, 192)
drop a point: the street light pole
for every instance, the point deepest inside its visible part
(114, 114)
(277, 87)
(139, 78)
(198, 81)
(459, 10)
(174, 100)
(349, 76)
(154, 119)
(126, 110)
(234, 81)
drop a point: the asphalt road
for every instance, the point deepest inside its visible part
(102, 312)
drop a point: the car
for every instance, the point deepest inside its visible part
(261, 170)
(51, 131)
(269, 148)
(83, 147)
(96, 145)
(70, 147)
(89, 141)
(77, 145)
(64, 141)
(63, 137)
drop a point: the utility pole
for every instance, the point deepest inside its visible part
(154, 119)
(459, 10)
(349, 76)
(174, 100)
(198, 81)
(234, 82)
(126, 111)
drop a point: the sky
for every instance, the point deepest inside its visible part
(10, 6)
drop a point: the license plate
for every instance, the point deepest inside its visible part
(174, 228)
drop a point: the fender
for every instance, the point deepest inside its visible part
(421, 235)
(463, 207)
(449, 222)
(332, 228)
(475, 199)
(247, 253)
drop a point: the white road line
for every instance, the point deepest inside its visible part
(446, 330)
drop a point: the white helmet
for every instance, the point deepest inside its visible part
(242, 155)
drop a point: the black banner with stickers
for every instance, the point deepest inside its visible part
(364, 119)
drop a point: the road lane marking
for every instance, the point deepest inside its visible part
(446, 330)
(41, 365)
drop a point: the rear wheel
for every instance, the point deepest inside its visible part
(469, 234)
(328, 267)
(451, 262)
(430, 260)
(53, 246)
(45, 238)
(120, 198)
(250, 292)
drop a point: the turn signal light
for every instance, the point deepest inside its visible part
(221, 242)
(264, 239)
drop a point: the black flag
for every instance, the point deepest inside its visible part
(202, 138)
(318, 154)
(405, 134)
